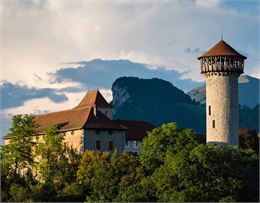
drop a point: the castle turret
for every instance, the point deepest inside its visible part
(221, 66)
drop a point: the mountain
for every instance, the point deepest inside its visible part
(158, 101)
(248, 92)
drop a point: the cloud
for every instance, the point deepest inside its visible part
(43, 105)
(150, 32)
(102, 73)
(14, 95)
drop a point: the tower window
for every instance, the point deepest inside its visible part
(209, 110)
(98, 144)
(213, 124)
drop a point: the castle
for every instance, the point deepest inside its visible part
(90, 125)
(221, 66)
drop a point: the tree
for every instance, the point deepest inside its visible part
(18, 153)
(50, 155)
(208, 173)
(167, 137)
(87, 167)
(248, 139)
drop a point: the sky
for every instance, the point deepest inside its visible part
(52, 52)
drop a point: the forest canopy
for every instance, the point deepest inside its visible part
(173, 165)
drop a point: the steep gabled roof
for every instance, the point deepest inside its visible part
(77, 118)
(222, 49)
(65, 120)
(93, 98)
(136, 130)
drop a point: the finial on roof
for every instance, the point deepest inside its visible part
(221, 32)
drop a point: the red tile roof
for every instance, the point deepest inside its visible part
(136, 130)
(222, 49)
(93, 98)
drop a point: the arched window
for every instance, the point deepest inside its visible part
(209, 110)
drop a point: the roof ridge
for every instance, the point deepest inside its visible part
(61, 111)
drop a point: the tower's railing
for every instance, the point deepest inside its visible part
(222, 64)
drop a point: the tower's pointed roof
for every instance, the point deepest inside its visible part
(222, 49)
(93, 98)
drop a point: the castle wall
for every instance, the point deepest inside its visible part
(116, 136)
(222, 96)
(74, 139)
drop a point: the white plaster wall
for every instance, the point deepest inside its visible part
(130, 147)
(91, 136)
(222, 96)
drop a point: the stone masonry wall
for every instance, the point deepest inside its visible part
(222, 96)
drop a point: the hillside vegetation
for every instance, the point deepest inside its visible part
(158, 101)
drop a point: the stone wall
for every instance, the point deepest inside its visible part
(222, 96)
(74, 139)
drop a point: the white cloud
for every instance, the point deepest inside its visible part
(43, 105)
(37, 36)
(208, 4)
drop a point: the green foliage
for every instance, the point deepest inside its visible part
(43, 192)
(87, 167)
(71, 193)
(51, 156)
(172, 166)
(208, 173)
(166, 138)
(18, 153)
(18, 193)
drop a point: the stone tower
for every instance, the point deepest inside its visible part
(221, 66)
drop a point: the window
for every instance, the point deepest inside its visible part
(65, 144)
(135, 144)
(110, 146)
(213, 124)
(98, 144)
(72, 132)
(209, 110)
(98, 131)
(126, 143)
(110, 132)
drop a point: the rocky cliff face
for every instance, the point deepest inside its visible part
(120, 95)
(248, 92)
